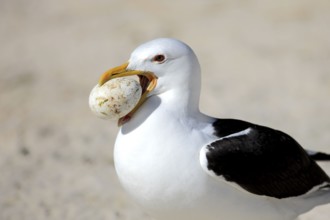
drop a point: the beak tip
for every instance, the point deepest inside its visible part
(104, 78)
(109, 74)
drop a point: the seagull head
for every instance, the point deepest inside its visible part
(163, 65)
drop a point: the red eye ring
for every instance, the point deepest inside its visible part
(159, 58)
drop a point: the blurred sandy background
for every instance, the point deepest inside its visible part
(263, 61)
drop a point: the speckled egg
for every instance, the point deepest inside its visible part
(115, 98)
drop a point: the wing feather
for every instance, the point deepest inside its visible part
(261, 160)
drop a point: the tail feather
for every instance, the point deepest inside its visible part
(318, 156)
(316, 198)
(326, 187)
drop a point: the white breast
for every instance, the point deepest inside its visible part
(162, 172)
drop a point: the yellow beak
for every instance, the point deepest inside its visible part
(121, 71)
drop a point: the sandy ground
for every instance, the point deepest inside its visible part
(263, 61)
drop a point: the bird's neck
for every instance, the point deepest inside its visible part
(181, 101)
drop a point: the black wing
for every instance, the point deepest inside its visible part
(262, 160)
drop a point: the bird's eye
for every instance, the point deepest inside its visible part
(160, 58)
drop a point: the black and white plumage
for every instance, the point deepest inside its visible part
(180, 164)
(262, 160)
